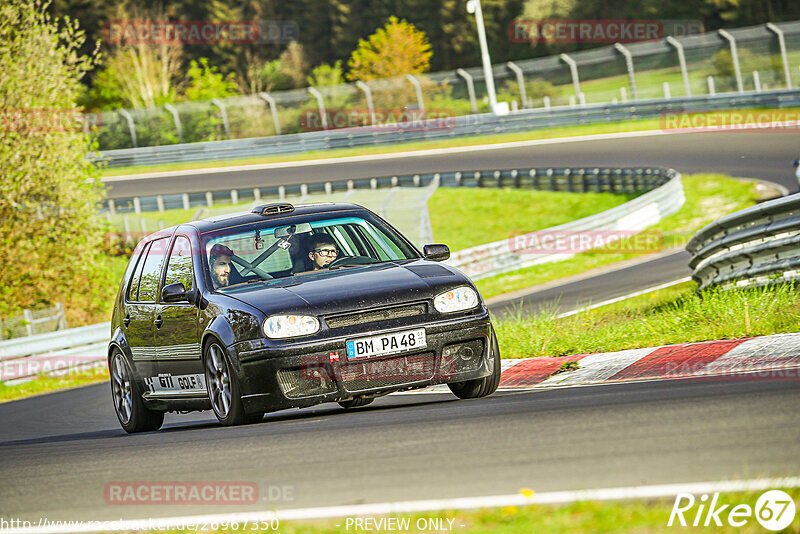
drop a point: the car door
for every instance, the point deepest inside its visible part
(140, 310)
(179, 366)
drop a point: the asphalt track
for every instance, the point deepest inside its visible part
(59, 451)
(766, 154)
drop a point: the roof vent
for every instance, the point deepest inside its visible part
(274, 209)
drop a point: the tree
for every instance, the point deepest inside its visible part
(394, 50)
(207, 82)
(49, 232)
(294, 64)
(326, 75)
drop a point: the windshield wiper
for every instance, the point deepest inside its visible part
(253, 281)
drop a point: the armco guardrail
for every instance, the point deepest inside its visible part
(484, 124)
(60, 351)
(756, 246)
(561, 242)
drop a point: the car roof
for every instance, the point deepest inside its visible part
(228, 220)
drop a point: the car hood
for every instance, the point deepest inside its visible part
(350, 288)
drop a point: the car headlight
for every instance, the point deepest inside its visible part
(458, 299)
(283, 326)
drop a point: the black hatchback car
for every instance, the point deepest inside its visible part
(287, 307)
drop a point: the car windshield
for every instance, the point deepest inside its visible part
(270, 251)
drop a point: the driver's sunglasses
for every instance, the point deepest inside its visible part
(327, 252)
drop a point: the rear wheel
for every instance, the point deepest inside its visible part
(356, 402)
(126, 394)
(481, 387)
(223, 388)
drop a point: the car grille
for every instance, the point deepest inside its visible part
(385, 314)
(305, 382)
(360, 375)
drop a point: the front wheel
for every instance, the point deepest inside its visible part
(126, 394)
(481, 387)
(223, 388)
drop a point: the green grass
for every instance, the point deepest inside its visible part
(47, 384)
(708, 197)
(631, 516)
(671, 315)
(465, 217)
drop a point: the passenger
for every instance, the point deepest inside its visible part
(323, 251)
(219, 260)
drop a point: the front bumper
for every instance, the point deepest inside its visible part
(304, 374)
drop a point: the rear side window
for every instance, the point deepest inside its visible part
(133, 288)
(148, 285)
(179, 268)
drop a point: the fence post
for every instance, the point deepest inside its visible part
(131, 126)
(735, 55)
(28, 316)
(160, 203)
(62, 317)
(177, 119)
(321, 106)
(782, 45)
(418, 88)
(546, 102)
(629, 63)
(137, 206)
(209, 199)
(470, 88)
(185, 198)
(573, 70)
(523, 98)
(224, 114)
(667, 94)
(234, 197)
(756, 81)
(682, 60)
(273, 111)
(711, 89)
(112, 207)
(368, 95)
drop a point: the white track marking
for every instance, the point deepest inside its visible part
(624, 297)
(410, 507)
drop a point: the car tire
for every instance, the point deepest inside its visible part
(126, 394)
(480, 387)
(223, 387)
(356, 402)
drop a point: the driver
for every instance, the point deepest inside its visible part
(220, 263)
(323, 251)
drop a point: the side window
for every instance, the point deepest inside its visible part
(148, 286)
(179, 268)
(133, 288)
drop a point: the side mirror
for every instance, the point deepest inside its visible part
(436, 252)
(174, 293)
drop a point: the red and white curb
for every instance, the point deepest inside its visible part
(775, 357)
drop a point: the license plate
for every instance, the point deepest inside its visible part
(366, 347)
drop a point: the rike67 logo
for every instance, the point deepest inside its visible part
(774, 510)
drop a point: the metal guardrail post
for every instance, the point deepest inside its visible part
(177, 119)
(131, 126)
(523, 98)
(224, 113)
(782, 46)
(368, 95)
(667, 93)
(573, 69)
(418, 89)
(711, 88)
(112, 207)
(273, 109)
(470, 88)
(756, 81)
(185, 200)
(321, 106)
(682, 61)
(735, 55)
(629, 63)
